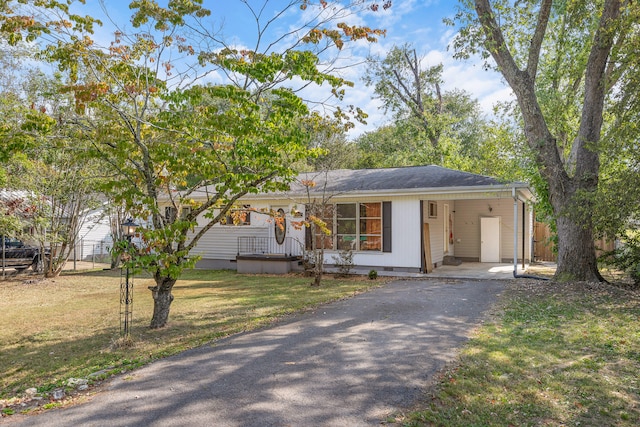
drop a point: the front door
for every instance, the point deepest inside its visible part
(490, 239)
(277, 244)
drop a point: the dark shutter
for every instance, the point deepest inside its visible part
(308, 239)
(170, 214)
(386, 226)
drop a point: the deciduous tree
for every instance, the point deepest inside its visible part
(431, 125)
(49, 161)
(564, 62)
(168, 137)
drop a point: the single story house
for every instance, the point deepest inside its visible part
(94, 233)
(409, 219)
(95, 237)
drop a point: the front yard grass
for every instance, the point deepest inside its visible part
(553, 355)
(67, 327)
(550, 354)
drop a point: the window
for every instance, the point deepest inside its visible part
(325, 214)
(370, 226)
(185, 211)
(346, 226)
(359, 226)
(238, 216)
(433, 209)
(280, 226)
(12, 242)
(170, 213)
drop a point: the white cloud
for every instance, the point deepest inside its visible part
(485, 86)
(415, 21)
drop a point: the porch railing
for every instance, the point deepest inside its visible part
(251, 245)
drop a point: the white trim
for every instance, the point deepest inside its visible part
(471, 192)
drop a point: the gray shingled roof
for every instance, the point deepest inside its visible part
(404, 178)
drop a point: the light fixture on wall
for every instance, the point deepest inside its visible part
(490, 208)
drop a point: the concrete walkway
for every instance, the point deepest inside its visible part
(466, 270)
(349, 363)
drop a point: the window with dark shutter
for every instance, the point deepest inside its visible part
(238, 216)
(170, 214)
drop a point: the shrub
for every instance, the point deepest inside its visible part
(344, 261)
(626, 257)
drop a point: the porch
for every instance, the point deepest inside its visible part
(267, 255)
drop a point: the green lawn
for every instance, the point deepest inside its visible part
(548, 355)
(62, 328)
(552, 355)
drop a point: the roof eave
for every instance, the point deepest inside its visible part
(522, 188)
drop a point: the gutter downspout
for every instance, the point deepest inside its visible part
(423, 265)
(524, 233)
(515, 240)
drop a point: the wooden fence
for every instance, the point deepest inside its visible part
(543, 246)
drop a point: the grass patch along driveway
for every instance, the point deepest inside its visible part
(62, 328)
(553, 355)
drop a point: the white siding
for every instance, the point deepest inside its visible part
(95, 227)
(94, 237)
(437, 228)
(221, 241)
(405, 240)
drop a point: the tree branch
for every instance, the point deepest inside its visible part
(538, 37)
(595, 86)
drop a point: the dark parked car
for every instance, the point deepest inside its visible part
(19, 255)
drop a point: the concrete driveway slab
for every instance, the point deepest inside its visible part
(349, 363)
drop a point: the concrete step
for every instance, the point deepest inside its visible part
(450, 260)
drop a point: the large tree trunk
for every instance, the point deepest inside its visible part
(572, 201)
(576, 252)
(162, 299)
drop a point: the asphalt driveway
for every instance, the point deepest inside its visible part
(349, 363)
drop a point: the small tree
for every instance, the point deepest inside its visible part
(166, 137)
(431, 125)
(344, 261)
(410, 90)
(43, 157)
(319, 234)
(627, 256)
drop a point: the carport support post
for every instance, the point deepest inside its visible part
(515, 232)
(423, 264)
(524, 233)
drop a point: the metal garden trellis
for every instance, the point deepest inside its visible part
(126, 286)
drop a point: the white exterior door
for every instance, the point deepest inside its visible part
(490, 239)
(279, 231)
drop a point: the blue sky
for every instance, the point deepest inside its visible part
(414, 21)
